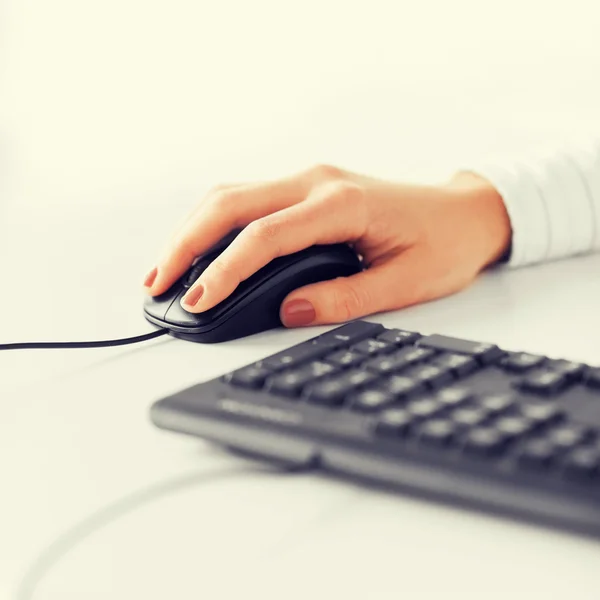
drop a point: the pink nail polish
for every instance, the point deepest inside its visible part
(297, 313)
(150, 278)
(193, 295)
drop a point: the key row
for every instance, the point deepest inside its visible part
(344, 337)
(518, 423)
(549, 382)
(368, 339)
(548, 376)
(392, 351)
(327, 382)
(566, 447)
(465, 409)
(422, 365)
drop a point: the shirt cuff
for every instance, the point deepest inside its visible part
(552, 200)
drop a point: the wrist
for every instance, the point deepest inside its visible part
(488, 214)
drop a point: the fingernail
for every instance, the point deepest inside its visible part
(192, 297)
(150, 278)
(296, 313)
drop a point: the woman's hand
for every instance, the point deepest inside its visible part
(418, 242)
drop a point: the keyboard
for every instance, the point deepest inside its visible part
(466, 423)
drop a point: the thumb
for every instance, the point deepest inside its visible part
(385, 287)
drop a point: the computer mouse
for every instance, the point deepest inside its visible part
(254, 305)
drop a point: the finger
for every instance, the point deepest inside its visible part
(228, 209)
(200, 206)
(333, 212)
(401, 282)
(151, 276)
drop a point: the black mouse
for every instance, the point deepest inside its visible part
(254, 305)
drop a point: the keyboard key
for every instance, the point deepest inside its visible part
(252, 376)
(371, 400)
(290, 383)
(423, 408)
(333, 391)
(394, 422)
(370, 347)
(399, 337)
(400, 386)
(294, 356)
(565, 437)
(459, 364)
(345, 358)
(582, 463)
(572, 370)
(454, 396)
(522, 361)
(401, 359)
(513, 426)
(384, 364)
(317, 369)
(484, 353)
(437, 432)
(592, 378)
(348, 334)
(541, 414)
(485, 441)
(538, 453)
(287, 384)
(496, 403)
(544, 382)
(411, 356)
(358, 377)
(432, 376)
(330, 392)
(468, 416)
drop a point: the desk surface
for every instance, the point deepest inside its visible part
(113, 123)
(157, 515)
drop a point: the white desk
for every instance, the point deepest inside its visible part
(75, 438)
(114, 122)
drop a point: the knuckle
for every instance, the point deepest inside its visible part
(349, 300)
(346, 194)
(264, 230)
(326, 172)
(347, 200)
(224, 199)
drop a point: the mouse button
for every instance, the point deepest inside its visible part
(158, 306)
(177, 315)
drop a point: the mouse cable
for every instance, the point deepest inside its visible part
(97, 344)
(107, 515)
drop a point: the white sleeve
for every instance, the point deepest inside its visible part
(553, 201)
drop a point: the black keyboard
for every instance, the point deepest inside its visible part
(463, 422)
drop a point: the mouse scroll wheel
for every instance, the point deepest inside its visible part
(196, 271)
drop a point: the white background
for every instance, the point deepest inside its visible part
(112, 100)
(142, 106)
(115, 117)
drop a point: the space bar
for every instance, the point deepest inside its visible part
(486, 353)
